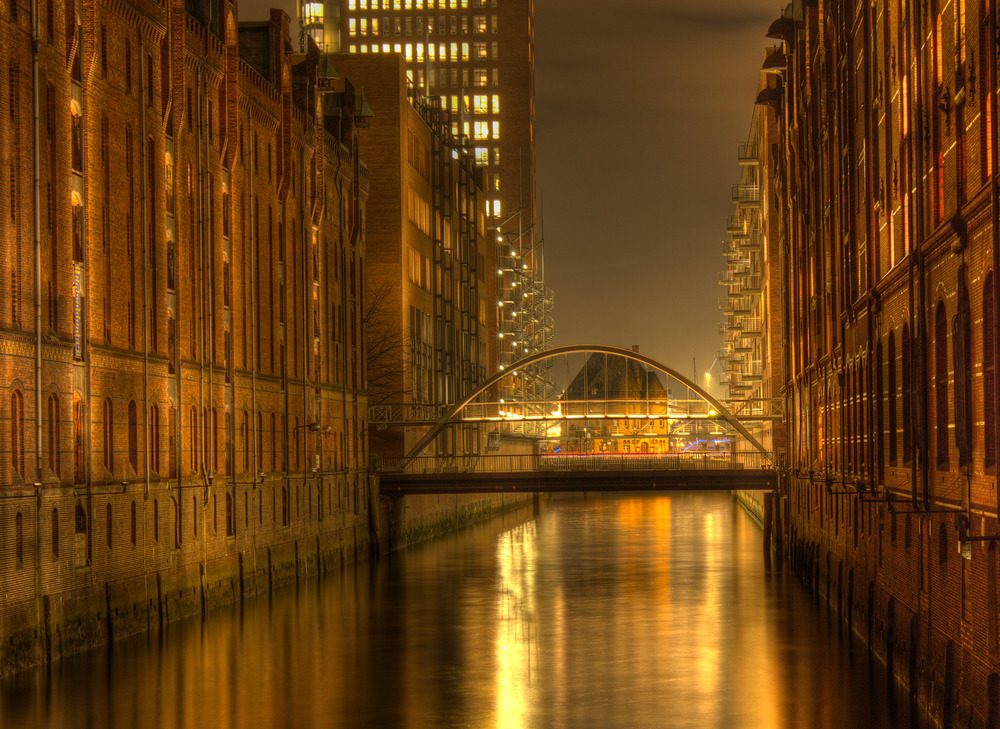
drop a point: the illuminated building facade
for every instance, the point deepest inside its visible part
(887, 210)
(181, 333)
(477, 57)
(752, 355)
(432, 331)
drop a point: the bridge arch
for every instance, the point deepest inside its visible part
(722, 411)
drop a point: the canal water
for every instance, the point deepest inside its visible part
(631, 611)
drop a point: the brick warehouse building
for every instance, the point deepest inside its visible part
(433, 337)
(477, 57)
(184, 421)
(886, 198)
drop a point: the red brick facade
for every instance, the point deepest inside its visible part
(199, 359)
(887, 210)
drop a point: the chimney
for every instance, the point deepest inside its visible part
(635, 348)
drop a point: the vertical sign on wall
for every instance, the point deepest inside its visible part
(77, 310)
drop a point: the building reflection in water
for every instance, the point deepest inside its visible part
(652, 611)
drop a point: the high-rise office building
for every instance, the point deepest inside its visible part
(478, 57)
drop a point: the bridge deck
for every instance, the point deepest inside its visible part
(578, 480)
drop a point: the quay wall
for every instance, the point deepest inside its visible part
(924, 603)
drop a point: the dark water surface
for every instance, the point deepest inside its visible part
(647, 611)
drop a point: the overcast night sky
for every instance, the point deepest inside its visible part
(639, 111)
(640, 105)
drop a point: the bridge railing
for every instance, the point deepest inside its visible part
(531, 463)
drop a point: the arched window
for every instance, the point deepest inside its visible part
(230, 518)
(961, 333)
(941, 385)
(154, 437)
(17, 432)
(274, 450)
(133, 436)
(54, 459)
(880, 438)
(246, 442)
(79, 442)
(989, 375)
(171, 345)
(19, 540)
(284, 506)
(177, 522)
(215, 440)
(172, 441)
(109, 438)
(907, 396)
(194, 439)
(259, 462)
(81, 558)
(893, 400)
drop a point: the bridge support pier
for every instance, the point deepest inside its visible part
(768, 524)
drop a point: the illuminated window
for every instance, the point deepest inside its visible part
(454, 52)
(409, 52)
(496, 208)
(465, 51)
(374, 26)
(398, 48)
(479, 77)
(352, 27)
(397, 26)
(479, 49)
(482, 130)
(480, 103)
(364, 26)
(479, 24)
(482, 155)
(496, 130)
(420, 51)
(496, 103)
(385, 48)
(313, 13)
(351, 4)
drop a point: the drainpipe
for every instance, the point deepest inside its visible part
(145, 206)
(306, 282)
(201, 275)
(918, 336)
(38, 313)
(37, 222)
(253, 316)
(994, 202)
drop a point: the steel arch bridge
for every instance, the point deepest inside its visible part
(638, 406)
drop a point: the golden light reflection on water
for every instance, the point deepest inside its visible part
(515, 625)
(588, 614)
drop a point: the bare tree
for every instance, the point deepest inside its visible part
(385, 353)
